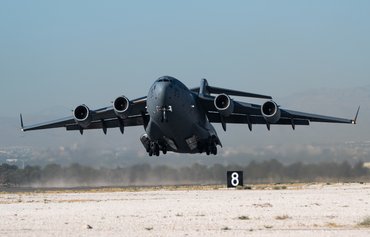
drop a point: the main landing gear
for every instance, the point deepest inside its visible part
(209, 146)
(154, 148)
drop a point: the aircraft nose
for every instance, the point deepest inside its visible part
(163, 92)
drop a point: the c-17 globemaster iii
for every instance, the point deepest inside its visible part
(179, 119)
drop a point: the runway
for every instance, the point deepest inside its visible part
(265, 210)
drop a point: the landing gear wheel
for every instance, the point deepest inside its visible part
(208, 146)
(208, 151)
(156, 149)
(153, 149)
(214, 149)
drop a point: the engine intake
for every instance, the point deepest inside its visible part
(82, 116)
(270, 111)
(121, 107)
(224, 104)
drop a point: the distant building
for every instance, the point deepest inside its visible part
(367, 165)
(15, 161)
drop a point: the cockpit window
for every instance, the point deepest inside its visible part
(165, 79)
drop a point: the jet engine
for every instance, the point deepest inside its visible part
(121, 107)
(270, 111)
(224, 104)
(82, 116)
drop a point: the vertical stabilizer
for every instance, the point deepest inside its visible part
(203, 90)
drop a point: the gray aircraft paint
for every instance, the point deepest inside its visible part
(178, 119)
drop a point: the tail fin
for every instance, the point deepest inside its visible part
(203, 90)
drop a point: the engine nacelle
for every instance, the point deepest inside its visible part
(82, 116)
(121, 107)
(270, 111)
(224, 104)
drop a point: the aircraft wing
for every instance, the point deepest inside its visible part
(317, 117)
(246, 113)
(100, 119)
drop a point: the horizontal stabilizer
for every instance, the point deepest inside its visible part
(206, 90)
(217, 90)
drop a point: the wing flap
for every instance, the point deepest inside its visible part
(59, 123)
(111, 123)
(316, 117)
(243, 119)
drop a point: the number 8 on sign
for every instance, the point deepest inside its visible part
(234, 179)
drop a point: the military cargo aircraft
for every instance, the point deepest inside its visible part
(179, 119)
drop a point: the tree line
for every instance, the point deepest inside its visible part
(272, 171)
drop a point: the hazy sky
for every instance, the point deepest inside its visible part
(65, 53)
(55, 55)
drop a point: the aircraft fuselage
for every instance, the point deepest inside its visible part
(176, 119)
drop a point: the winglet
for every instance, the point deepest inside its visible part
(22, 126)
(354, 121)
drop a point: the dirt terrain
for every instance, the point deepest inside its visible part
(265, 210)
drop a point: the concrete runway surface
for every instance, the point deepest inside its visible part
(266, 210)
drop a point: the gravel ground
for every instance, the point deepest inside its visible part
(299, 210)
